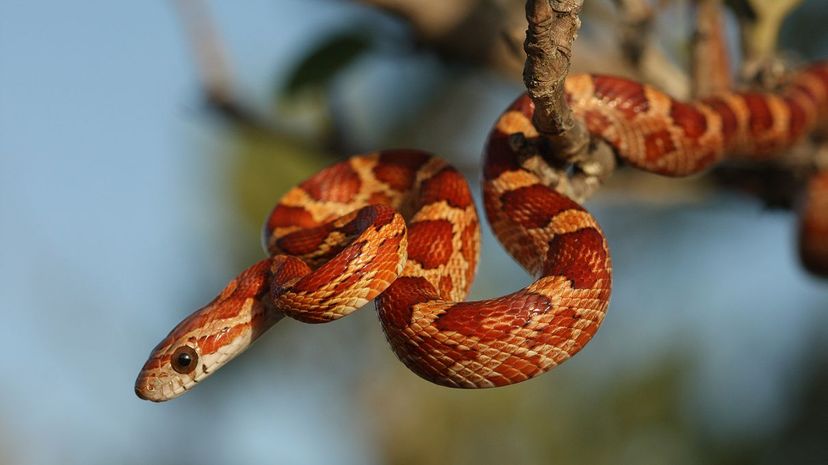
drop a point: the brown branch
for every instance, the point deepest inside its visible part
(641, 51)
(636, 23)
(213, 67)
(759, 25)
(470, 31)
(710, 60)
(553, 26)
(430, 19)
(211, 60)
(761, 21)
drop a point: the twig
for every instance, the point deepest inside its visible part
(210, 58)
(553, 26)
(640, 49)
(468, 31)
(213, 68)
(636, 24)
(710, 61)
(760, 22)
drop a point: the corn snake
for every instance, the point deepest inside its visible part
(401, 227)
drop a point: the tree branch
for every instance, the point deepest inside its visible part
(710, 61)
(553, 26)
(638, 48)
(213, 67)
(760, 22)
(471, 31)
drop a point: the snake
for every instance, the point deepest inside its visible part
(813, 225)
(400, 227)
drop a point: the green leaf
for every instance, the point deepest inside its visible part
(325, 61)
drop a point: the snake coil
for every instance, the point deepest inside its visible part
(400, 226)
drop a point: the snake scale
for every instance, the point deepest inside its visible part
(400, 227)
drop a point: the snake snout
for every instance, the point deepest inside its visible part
(147, 389)
(157, 389)
(142, 390)
(158, 386)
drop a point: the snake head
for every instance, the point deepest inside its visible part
(172, 369)
(210, 337)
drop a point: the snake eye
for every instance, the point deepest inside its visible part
(184, 360)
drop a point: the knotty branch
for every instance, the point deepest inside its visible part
(553, 27)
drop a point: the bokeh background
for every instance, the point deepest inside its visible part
(126, 202)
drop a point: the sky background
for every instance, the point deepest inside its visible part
(120, 200)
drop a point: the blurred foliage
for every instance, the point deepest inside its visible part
(324, 61)
(264, 166)
(804, 30)
(635, 420)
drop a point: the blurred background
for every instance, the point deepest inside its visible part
(128, 199)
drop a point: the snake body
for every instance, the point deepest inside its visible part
(813, 226)
(401, 227)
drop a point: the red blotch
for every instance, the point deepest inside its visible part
(813, 227)
(212, 343)
(304, 241)
(286, 270)
(376, 215)
(596, 121)
(429, 243)
(334, 268)
(448, 185)
(798, 119)
(657, 144)
(803, 91)
(761, 119)
(395, 305)
(379, 198)
(252, 281)
(523, 104)
(688, 118)
(579, 256)
(493, 319)
(534, 206)
(499, 157)
(283, 216)
(398, 168)
(337, 183)
(626, 96)
(730, 123)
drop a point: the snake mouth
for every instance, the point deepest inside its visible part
(143, 392)
(148, 390)
(154, 389)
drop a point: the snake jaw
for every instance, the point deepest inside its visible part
(158, 383)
